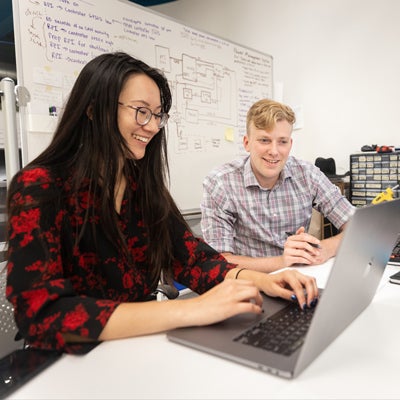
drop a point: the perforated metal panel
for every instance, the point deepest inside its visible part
(7, 323)
(8, 328)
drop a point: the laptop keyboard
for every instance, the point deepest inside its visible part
(282, 332)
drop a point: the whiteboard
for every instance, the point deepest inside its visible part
(213, 81)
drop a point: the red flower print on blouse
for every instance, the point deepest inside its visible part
(57, 283)
(215, 272)
(139, 253)
(46, 324)
(103, 316)
(36, 266)
(85, 200)
(35, 175)
(18, 199)
(25, 223)
(191, 246)
(127, 281)
(35, 300)
(87, 259)
(75, 318)
(54, 267)
(196, 273)
(84, 332)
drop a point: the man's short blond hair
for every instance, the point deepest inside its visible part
(265, 113)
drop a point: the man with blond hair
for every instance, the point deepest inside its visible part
(257, 209)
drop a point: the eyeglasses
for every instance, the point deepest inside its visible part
(144, 114)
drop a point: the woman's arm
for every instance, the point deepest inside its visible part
(231, 297)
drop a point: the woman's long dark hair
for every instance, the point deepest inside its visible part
(87, 141)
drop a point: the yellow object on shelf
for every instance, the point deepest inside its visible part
(387, 195)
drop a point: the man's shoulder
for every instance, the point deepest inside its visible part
(295, 162)
(295, 166)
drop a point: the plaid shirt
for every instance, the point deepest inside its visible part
(240, 217)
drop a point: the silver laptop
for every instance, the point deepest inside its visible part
(356, 273)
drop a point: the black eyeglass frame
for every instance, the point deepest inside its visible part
(163, 116)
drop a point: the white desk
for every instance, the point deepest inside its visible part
(363, 362)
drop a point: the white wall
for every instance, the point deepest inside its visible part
(337, 59)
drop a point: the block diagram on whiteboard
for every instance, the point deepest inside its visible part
(204, 101)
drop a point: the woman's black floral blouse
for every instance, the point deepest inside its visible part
(57, 287)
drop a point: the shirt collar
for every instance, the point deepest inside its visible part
(251, 180)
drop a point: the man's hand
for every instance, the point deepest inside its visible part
(302, 248)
